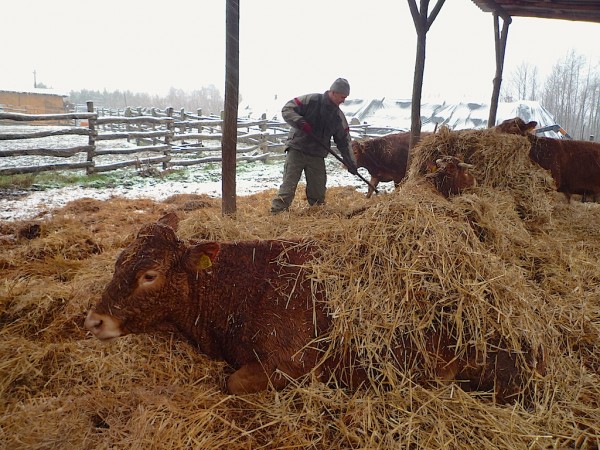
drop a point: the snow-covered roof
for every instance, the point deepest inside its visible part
(396, 113)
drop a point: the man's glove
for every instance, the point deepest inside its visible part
(351, 166)
(306, 127)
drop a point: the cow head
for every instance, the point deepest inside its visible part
(451, 176)
(516, 126)
(150, 278)
(358, 149)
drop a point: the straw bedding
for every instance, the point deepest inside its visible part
(508, 263)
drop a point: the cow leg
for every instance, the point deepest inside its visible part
(373, 184)
(248, 379)
(255, 377)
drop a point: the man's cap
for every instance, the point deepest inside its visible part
(342, 86)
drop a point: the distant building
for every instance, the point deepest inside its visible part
(34, 101)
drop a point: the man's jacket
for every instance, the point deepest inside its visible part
(326, 119)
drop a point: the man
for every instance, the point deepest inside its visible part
(315, 119)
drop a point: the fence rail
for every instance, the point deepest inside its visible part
(141, 138)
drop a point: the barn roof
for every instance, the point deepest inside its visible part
(578, 10)
(38, 91)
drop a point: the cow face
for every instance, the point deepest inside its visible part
(451, 176)
(516, 126)
(544, 152)
(150, 276)
(358, 150)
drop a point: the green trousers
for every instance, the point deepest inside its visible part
(316, 179)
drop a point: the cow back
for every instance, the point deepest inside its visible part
(384, 157)
(574, 165)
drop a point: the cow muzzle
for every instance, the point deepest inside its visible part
(102, 326)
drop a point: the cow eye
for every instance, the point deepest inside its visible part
(149, 276)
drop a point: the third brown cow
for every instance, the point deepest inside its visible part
(517, 126)
(574, 165)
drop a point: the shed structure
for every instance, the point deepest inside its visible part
(35, 101)
(576, 10)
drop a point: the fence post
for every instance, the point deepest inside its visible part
(153, 127)
(183, 126)
(139, 126)
(91, 139)
(168, 136)
(127, 113)
(263, 145)
(199, 114)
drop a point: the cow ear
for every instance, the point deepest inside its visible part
(171, 220)
(431, 167)
(530, 127)
(201, 256)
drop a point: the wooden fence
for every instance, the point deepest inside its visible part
(161, 138)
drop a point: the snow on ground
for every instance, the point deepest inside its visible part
(252, 178)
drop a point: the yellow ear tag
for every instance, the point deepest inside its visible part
(204, 262)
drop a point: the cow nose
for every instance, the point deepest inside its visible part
(103, 326)
(93, 323)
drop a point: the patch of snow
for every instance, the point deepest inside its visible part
(253, 177)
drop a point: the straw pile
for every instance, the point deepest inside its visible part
(510, 259)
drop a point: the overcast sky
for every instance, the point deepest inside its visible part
(286, 48)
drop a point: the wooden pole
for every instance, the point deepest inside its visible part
(500, 44)
(422, 22)
(91, 139)
(168, 138)
(232, 75)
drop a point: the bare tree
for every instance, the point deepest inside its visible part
(593, 118)
(563, 89)
(523, 83)
(588, 106)
(208, 98)
(572, 94)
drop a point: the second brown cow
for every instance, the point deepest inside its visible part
(385, 158)
(255, 305)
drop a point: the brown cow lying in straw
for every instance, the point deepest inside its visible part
(385, 158)
(451, 176)
(253, 304)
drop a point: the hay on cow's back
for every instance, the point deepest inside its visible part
(501, 163)
(416, 264)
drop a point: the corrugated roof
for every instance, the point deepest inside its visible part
(578, 10)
